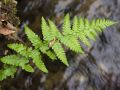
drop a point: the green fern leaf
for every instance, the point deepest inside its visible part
(81, 33)
(38, 44)
(45, 50)
(28, 52)
(72, 42)
(21, 49)
(100, 24)
(49, 53)
(46, 31)
(81, 29)
(94, 26)
(89, 32)
(35, 55)
(75, 26)
(16, 60)
(28, 68)
(7, 71)
(105, 23)
(66, 25)
(35, 40)
(86, 31)
(59, 51)
(54, 31)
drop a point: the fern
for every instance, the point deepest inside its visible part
(72, 42)
(35, 55)
(80, 30)
(60, 52)
(29, 53)
(66, 25)
(35, 40)
(46, 30)
(38, 44)
(21, 49)
(75, 25)
(27, 68)
(90, 33)
(17, 60)
(7, 71)
(77, 30)
(54, 31)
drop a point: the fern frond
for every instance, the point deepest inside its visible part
(81, 33)
(94, 26)
(37, 43)
(21, 49)
(59, 51)
(66, 25)
(27, 68)
(104, 23)
(72, 42)
(45, 50)
(51, 55)
(100, 24)
(90, 29)
(54, 31)
(84, 27)
(90, 33)
(28, 52)
(45, 30)
(81, 29)
(35, 55)
(35, 40)
(78, 30)
(7, 71)
(75, 25)
(16, 60)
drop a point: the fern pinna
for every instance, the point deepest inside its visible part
(79, 30)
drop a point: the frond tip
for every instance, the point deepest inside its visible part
(66, 25)
(35, 40)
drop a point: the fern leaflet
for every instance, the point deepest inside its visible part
(17, 60)
(45, 30)
(7, 71)
(35, 40)
(66, 25)
(21, 49)
(60, 52)
(29, 53)
(35, 55)
(72, 42)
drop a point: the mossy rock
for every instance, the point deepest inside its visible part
(8, 11)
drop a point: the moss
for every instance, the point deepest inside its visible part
(8, 8)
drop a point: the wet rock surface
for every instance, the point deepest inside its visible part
(98, 70)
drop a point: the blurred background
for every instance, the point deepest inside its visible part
(99, 70)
